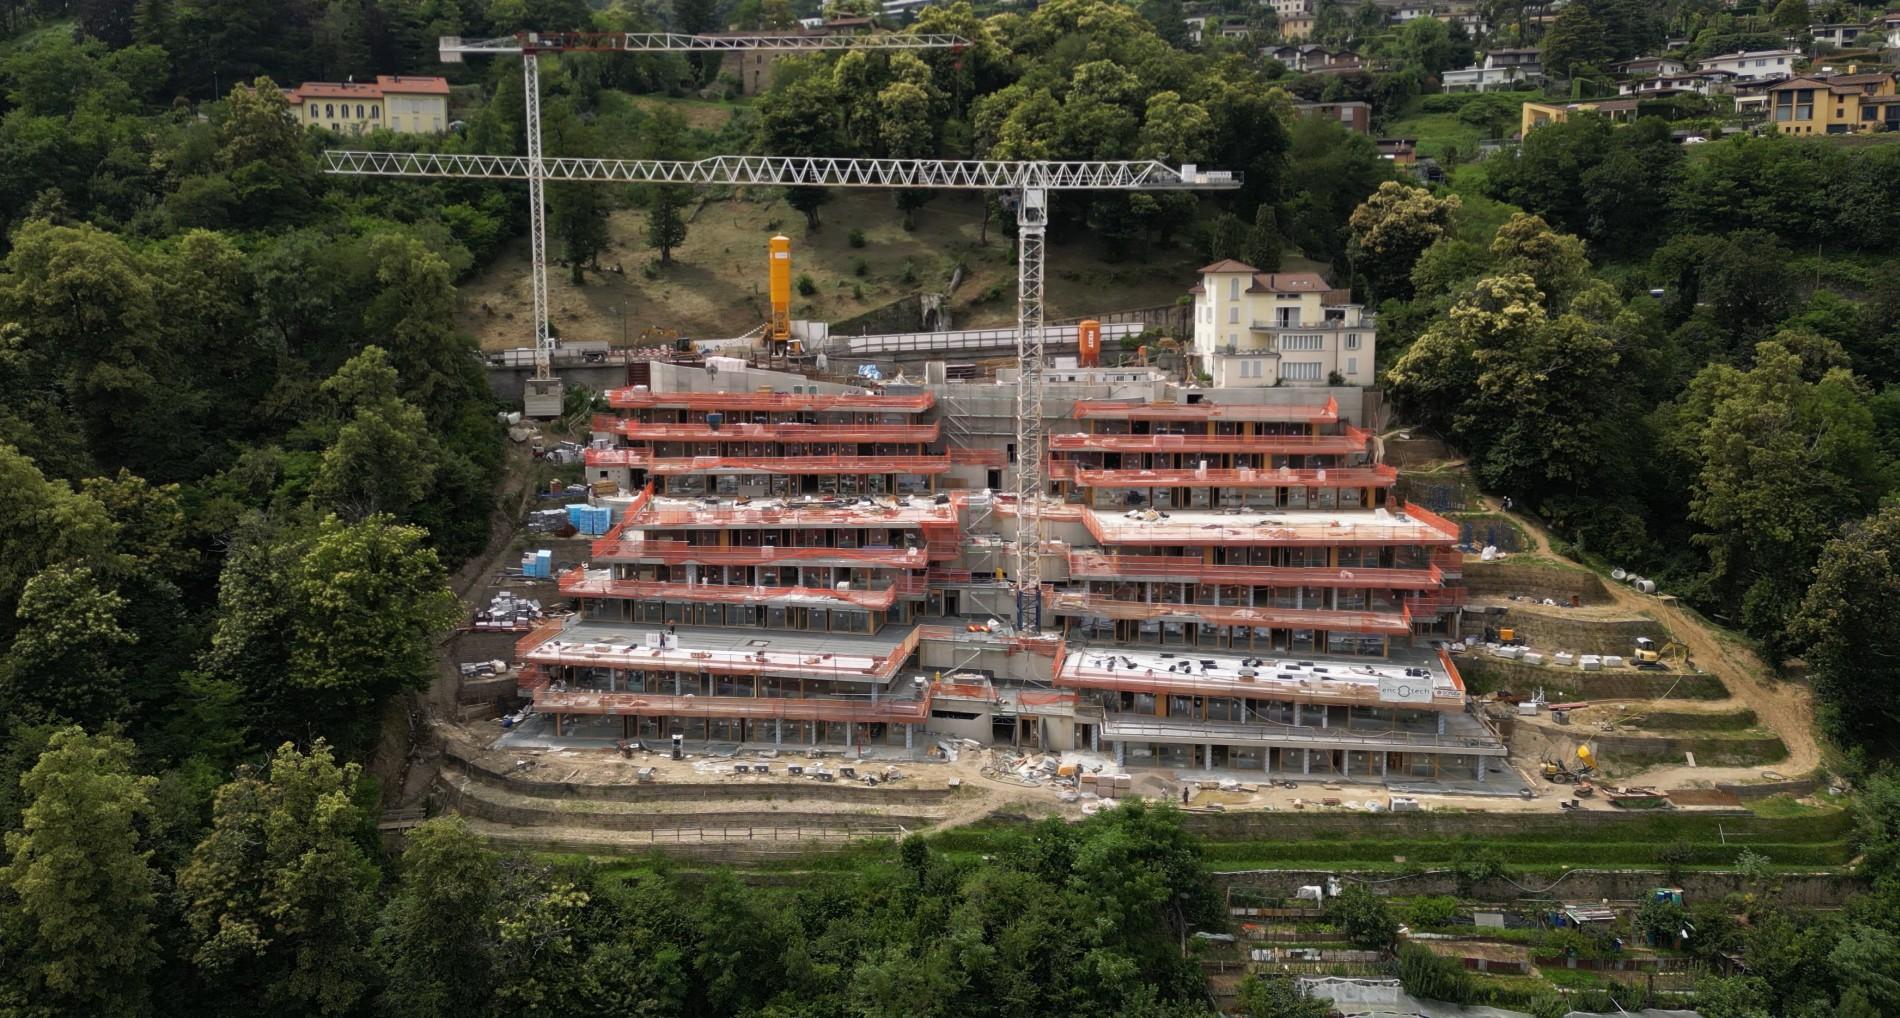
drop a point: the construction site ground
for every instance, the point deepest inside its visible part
(715, 288)
(1783, 707)
(989, 784)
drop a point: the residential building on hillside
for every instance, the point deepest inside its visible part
(1890, 25)
(1537, 114)
(1836, 104)
(1839, 36)
(1699, 82)
(1295, 27)
(1497, 72)
(1650, 66)
(1753, 65)
(1232, 582)
(404, 104)
(1352, 114)
(1255, 328)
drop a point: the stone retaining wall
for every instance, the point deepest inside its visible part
(449, 795)
(790, 791)
(1502, 579)
(1483, 674)
(1548, 629)
(1805, 889)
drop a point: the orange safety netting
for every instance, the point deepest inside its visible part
(778, 431)
(1320, 619)
(1378, 476)
(1094, 564)
(576, 583)
(799, 464)
(638, 399)
(1095, 409)
(1349, 441)
(1109, 528)
(544, 631)
(735, 707)
(680, 552)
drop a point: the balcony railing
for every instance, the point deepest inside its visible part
(1095, 565)
(579, 582)
(1326, 620)
(681, 552)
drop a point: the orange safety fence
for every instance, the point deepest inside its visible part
(1378, 476)
(1098, 409)
(976, 457)
(1029, 699)
(546, 630)
(1444, 658)
(1350, 440)
(799, 464)
(612, 536)
(760, 663)
(548, 701)
(680, 552)
(925, 517)
(1321, 619)
(1096, 565)
(638, 399)
(576, 583)
(777, 431)
(1431, 519)
(1111, 528)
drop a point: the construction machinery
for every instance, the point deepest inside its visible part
(778, 332)
(1653, 657)
(542, 395)
(1563, 773)
(1030, 182)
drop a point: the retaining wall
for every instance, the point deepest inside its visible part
(790, 791)
(1502, 579)
(1483, 674)
(1709, 750)
(449, 795)
(1548, 629)
(1806, 889)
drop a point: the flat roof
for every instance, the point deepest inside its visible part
(1410, 677)
(1125, 410)
(1269, 526)
(860, 657)
(720, 513)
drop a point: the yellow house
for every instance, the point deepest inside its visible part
(1836, 104)
(1538, 114)
(1255, 329)
(405, 104)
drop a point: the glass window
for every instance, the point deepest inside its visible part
(1233, 315)
(1233, 289)
(359, 111)
(375, 113)
(329, 109)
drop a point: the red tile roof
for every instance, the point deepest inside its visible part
(412, 84)
(1288, 282)
(384, 84)
(1228, 265)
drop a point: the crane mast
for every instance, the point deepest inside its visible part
(1027, 183)
(543, 392)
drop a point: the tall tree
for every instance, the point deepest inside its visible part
(437, 939)
(1392, 228)
(1849, 629)
(1575, 42)
(80, 890)
(280, 896)
(666, 227)
(67, 660)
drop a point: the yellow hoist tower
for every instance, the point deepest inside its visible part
(778, 332)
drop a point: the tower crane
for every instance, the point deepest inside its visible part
(1029, 183)
(542, 395)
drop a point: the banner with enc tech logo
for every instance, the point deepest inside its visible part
(1405, 689)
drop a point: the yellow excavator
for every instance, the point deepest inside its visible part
(1561, 774)
(1651, 656)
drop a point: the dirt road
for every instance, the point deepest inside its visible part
(1785, 707)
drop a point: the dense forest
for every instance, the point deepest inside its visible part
(242, 448)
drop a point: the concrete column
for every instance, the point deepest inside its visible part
(1266, 759)
(1121, 754)
(1306, 761)
(1441, 723)
(1481, 769)
(1297, 713)
(1325, 715)
(910, 733)
(778, 731)
(1095, 738)
(1385, 760)
(1207, 761)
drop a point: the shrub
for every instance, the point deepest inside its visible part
(910, 272)
(1365, 917)
(860, 267)
(1442, 910)
(806, 287)
(1427, 975)
(855, 238)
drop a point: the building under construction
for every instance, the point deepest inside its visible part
(1230, 581)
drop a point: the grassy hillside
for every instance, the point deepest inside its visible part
(716, 288)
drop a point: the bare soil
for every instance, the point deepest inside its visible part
(716, 286)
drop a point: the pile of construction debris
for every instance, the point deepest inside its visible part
(508, 613)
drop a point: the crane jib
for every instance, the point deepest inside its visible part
(797, 171)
